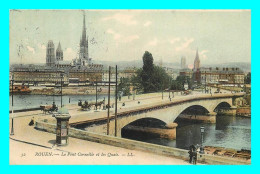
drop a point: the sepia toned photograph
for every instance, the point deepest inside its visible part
(129, 87)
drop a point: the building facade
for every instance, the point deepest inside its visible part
(183, 62)
(224, 76)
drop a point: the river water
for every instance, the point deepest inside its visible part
(229, 132)
(33, 101)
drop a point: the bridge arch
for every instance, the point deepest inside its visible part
(148, 127)
(222, 105)
(195, 110)
(148, 122)
(168, 112)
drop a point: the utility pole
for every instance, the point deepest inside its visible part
(162, 91)
(61, 77)
(109, 72)
(116, 105)
(12, 128)
(169, 87)
(205, 81)
(96, 94)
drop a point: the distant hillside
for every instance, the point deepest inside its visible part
(245, 66)
(134, 63)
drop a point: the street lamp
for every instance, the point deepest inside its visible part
(205, 81)
(202, 129)
(96, 93)
(169, 87)
(12, 128)
(61, 77)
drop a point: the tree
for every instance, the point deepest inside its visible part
(124, 86)
(248, 78)
(136, 81)
(178, 84)
(147, 72)
(150, 78)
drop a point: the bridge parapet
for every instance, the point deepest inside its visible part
(166, 111)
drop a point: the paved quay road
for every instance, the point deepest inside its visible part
(30, 146)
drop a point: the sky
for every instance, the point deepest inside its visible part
(221, 36)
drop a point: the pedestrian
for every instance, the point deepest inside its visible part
(69, 100)
(31, 122)
(190, 154)
(194, 156)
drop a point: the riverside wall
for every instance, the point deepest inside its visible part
(137, 145)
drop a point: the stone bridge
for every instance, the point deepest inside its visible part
(167, 111)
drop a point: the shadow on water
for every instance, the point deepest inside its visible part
(229, 132)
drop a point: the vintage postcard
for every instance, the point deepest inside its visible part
(130, 87)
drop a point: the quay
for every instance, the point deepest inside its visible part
(31, 138)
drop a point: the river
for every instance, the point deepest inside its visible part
(229, 132)
(33, 101)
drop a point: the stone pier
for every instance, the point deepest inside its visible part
(168, 132)
(210, 118)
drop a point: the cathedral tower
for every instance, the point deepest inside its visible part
(196, 62)
(183, 62)
(59, 53)
(50, 54)
(83, 54)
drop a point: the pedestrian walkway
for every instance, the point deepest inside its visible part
(30, 146)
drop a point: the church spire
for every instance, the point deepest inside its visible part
(84, 43)
(59, 53)
(196, 61)
(197, 55)
(83, 39)
(59, 47)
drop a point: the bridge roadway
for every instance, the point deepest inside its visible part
(153, 108)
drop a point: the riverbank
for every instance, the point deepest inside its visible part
(84, 90)
(29, 146)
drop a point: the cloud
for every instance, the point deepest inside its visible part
(153, 42)
(204, 51)
(31, 49)
(174, 40)
(130, 38)
(184, 44)
(116, 35)
(121, 38)
(69, 54)
(147, 23)
(41, 46)
(190, 66)
(125, 19)
(203, 54)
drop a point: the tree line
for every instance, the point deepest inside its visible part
(151, 78)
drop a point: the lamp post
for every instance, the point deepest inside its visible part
(61, 77)
(96, 94)
(12, 127)
(202, 129)
(108, 119)
(169, 87)
(205, 81)
(116, 105)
